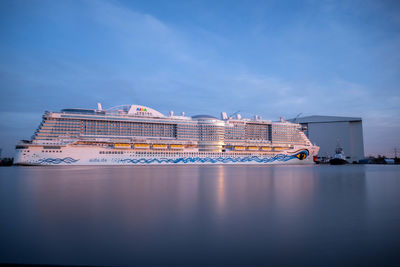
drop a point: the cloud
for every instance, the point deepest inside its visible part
(139, 31)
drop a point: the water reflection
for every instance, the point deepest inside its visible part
(243, 215)
(220, 205)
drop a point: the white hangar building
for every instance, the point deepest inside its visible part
(325, 131)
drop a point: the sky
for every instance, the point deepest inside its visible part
(270, 58)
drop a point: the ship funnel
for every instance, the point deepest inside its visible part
(224, 116)
(171, 113)
(99, 108)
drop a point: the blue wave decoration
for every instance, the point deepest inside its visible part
(301, 155)
(67, 160)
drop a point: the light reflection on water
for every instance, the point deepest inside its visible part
(208, 215)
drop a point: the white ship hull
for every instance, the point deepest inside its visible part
(94, 156)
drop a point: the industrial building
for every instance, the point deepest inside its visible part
(327, 131)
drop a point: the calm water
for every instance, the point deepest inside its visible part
(201, 215)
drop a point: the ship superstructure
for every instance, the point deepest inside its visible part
(135, 134)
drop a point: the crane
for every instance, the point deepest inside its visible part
(298, 115)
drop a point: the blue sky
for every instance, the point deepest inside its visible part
(271, 58)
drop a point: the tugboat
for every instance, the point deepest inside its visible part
(338, 158)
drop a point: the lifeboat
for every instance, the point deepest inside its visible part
(141, 145)
(239, 148)
(252, 148)
(159, 146)
(266, 148)
(122, 146)
(176, 146)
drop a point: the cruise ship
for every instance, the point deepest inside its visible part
(139, 135)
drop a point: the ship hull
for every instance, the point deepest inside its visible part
(337, 161)
(92, 156)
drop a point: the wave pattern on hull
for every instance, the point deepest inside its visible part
(251, 159)
(279, 157)
(67, 160)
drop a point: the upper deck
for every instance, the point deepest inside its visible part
(131, 123)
